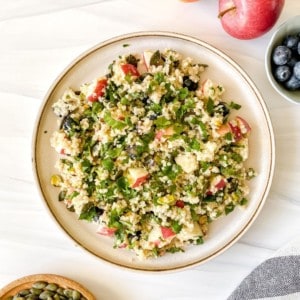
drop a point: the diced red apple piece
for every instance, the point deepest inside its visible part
(104, 230)
(122, 246)
(141, 66)
(239, 127)
(244, 125)
(164, 132)
(217, 184)
(147, 57)
(166, 232)
(98, 91)
(220, 185)
(206, 85)
(140, 181)
(235, 129)
(137, 176)
(129, 69)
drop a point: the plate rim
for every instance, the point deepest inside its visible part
(166, 34)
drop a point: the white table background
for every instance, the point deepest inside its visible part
(38, 39)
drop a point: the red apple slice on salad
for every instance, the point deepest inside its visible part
(137, 176)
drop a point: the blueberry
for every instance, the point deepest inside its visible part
(292, 84)
(189, 84)
(282, 73)
(145, 100)
(291, 41)
(297, 70)
(153, 117)
(222, 109)
(281, 55)
(292, 62)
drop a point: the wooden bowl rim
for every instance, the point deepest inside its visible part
(25, 282)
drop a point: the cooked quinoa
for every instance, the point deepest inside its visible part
(150, 152)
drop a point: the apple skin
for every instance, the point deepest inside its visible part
(249, 19)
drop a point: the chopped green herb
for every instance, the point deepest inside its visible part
(210, 106)
(112, 122)
(108, 164)
(156, 59)
(88, 213)
(234, 105)
(229, 208)
(175, 249)
(176, 227)
(162, 122)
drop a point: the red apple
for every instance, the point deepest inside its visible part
(236, 130)
(129, 69)
(165, 132)
(248, 19)
(107, 231)
(243, 124)
(99, 90)
(218, 183)
(137, 176)
(147, 57)
(166, 232)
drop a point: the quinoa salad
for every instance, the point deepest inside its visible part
(151, 153)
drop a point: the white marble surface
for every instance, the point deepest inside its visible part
(38, 39)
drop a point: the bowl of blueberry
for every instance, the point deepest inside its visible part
(282, 60)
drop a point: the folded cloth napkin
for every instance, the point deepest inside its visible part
(277, 278)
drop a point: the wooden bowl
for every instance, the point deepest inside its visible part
(26, 282)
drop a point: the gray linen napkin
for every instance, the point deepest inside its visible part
(277, 278)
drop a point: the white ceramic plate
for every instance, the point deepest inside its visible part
(223, 232)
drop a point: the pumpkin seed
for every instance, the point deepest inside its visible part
(60, 291)
(24, 292)
(51, 287)
(45, 295)
(68, 293)
(18, 298)
(76, 295)
(39, 285)
(32, 297)
(35, 291)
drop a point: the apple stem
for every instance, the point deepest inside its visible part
(222, 13)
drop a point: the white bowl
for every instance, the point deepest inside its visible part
(291, 26)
